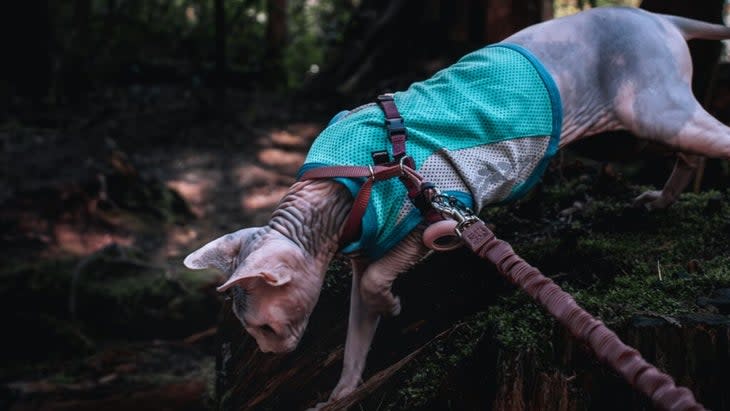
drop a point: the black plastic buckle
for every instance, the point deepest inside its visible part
(380, 157)
(420, 201)
(395, 126)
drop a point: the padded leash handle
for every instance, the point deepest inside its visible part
(441, 236)
(606, 345)
(446, 234)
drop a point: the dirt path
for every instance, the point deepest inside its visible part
(123, 193)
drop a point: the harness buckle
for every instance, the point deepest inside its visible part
(380, 157)
(395, 126)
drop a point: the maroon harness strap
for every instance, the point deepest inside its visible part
(395, 125)
(607, 346)
(351, 229)
(397, 135)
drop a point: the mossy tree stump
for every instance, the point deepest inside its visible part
(467, 340)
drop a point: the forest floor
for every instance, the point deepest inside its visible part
(100, 204)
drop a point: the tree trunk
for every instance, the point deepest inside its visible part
(76, 78)
(26, 35)
(459, 31)
(548, 9)
(408, 40)
(504, 17)
(220, 50)
(276, 31)
(498, 22)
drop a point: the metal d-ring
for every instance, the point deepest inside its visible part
(401, 164)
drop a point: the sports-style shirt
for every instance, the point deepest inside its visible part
(483, 130)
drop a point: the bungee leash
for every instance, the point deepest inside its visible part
(604, 343)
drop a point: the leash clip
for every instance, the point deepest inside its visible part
(446, 235)
(451, 207)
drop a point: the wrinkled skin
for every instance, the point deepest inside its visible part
(615, 69)
(275, 272)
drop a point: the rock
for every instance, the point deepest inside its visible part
(720, 299)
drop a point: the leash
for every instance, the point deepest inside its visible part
(604, 343)
(452, 224)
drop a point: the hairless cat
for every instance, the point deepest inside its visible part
(603, 69)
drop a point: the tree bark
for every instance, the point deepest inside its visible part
(220, 50)
(26, 35)
(460, 29)
(276, 31)
(76, 78)
(504, 17)
(693, 350)
(548, 9)
(409, 40)
(498, 22)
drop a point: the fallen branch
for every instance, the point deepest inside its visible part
(277, 382)
(377, 380)
(192, 339)
(44, 386)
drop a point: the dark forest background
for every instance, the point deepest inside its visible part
(132, 131)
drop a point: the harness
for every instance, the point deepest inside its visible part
(452, 225)
(483, 130)
(401, 166)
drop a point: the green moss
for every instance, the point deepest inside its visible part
(519, 323)
(194, 279)
(442, 355)
(609, 257)
(643, 292)
(43, 276)
(114, 293)
(337, 279)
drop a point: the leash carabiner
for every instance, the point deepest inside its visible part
(445, 235)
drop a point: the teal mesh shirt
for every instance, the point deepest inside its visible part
(482, 130)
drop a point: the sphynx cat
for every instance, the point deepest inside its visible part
(615, 69)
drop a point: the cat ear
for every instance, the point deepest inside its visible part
(274, 278)
(220, 252)
(274, 262)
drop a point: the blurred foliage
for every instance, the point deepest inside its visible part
(124, 40)
(101, 42)
(314, 28)
(565, 7)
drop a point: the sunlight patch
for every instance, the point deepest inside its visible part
(264, 197)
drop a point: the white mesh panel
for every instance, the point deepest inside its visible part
(489, 172)
(492, 171)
